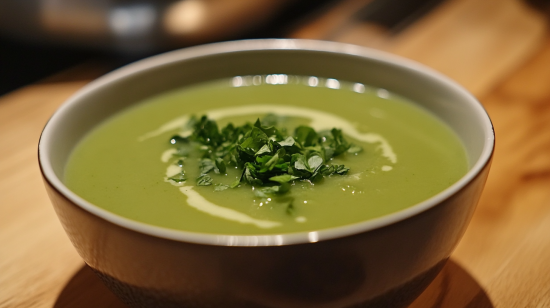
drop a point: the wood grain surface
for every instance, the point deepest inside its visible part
(498, 49)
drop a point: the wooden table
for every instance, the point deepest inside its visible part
(498, 49)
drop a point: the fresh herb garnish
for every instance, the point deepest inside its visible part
(270, 159)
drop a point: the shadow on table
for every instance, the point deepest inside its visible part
(452, 288)
(85, 290)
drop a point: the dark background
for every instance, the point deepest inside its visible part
(24, 61)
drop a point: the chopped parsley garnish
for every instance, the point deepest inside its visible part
(270, 158)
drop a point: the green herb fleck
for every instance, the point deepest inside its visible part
(204, 180)
(178, 178)
(220, 187)
(206, 165)
(290, 209)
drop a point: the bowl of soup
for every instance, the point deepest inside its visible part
(267, 173)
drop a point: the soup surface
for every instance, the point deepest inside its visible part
(125, 164)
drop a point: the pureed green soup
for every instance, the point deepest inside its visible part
(127, 165)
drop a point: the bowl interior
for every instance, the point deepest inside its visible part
(152, 76)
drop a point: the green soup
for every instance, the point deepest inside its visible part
(408, 156)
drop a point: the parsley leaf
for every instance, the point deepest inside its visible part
(178, 178)
(204, 180)
(284, 178)
(220, 164)
(206, 165)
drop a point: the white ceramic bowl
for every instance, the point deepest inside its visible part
(382, 262)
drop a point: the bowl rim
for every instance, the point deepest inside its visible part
(269, 239)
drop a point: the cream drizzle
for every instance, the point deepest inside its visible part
(194, 199)
(166, 155)
(176, 123)
(172, 170)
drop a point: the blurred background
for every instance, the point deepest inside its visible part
(41, 37)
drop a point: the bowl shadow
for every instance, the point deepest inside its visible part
(453, 287)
